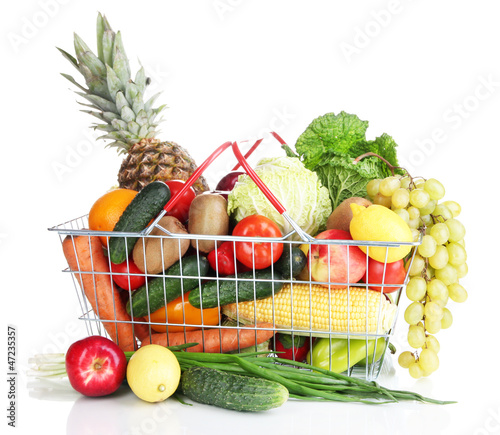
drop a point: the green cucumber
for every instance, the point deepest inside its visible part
(161, 290)
(232, 391)
(217, 293)
(144, 207)
(292, 260)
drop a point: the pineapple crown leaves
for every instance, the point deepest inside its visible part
(111, 94)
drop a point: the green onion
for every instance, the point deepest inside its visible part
(303, 381)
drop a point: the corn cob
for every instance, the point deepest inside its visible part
(369, 312)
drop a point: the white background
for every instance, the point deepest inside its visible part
(425, 72)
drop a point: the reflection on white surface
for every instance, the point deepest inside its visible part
(57, 390)
(122, 413)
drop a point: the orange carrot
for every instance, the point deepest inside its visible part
(214, 340)
(85, 254)
(141, 330)
(140, 326)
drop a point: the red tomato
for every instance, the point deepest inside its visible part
(258, 255)
(224, 263)
(395, 273)
(125, 280)
(181, 208)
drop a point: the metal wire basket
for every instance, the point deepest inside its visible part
(364, 324)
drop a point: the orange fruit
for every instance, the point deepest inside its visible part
(106, 211)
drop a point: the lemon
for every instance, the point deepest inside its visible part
(380, 224)
(153, 373)
(304, 273)
(304, 248)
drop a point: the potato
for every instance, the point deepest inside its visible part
(173, 248)
(340, 219)
(208, 216)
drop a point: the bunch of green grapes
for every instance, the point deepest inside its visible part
(438, 264)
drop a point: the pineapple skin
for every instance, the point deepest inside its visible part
(153, 160)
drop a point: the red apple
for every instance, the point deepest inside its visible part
(330, 263)
(96, 366)
(226, 183)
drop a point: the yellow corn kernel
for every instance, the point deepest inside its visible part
(367, 312)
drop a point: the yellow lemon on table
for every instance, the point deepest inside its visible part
(380, 224)
(153, 373)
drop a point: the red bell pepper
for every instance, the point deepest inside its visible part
(295, 348)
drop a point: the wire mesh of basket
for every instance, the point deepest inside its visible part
(247, 311)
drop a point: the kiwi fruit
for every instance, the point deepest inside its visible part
(340, 219)
(208, 216)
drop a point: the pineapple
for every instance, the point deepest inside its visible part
(129, 121)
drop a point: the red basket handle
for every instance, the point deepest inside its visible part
(248, 153)
(196, 174)
(242, 161)
(252, 174)
(255, 178)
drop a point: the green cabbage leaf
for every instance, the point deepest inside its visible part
(329, 147)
